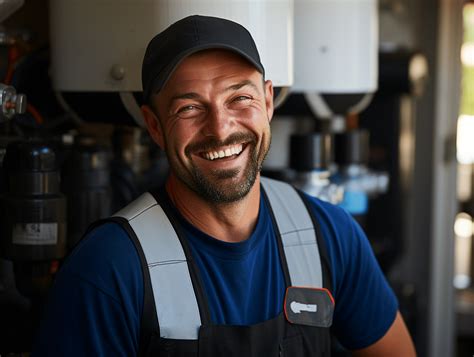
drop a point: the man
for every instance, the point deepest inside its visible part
(227, 262)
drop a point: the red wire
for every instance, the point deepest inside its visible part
(36, 115)
(13, 56)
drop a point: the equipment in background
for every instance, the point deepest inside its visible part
(11, 103)
(138, 165)
(336, 46)
(32, 238)
(336, 63)
(33, 208)
(310, 157)
(114, 35)
(360, 183)
(86, 183)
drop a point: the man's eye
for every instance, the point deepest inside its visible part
(190, 111)
(240, 102)
(187, 108)
(241, 98)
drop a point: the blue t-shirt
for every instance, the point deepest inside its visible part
(96, 301)
(244, 281)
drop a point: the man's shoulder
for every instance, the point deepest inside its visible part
(329, 215)
(333, 220)
(97, 293)
(106, 238)
(139, 205)
(105, 254)
(341, 233)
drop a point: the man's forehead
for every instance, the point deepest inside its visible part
(184, 93)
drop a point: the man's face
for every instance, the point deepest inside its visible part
(214, 114)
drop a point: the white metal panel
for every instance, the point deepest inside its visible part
(336, 46)
(98, 45)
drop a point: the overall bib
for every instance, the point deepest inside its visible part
(176, 319)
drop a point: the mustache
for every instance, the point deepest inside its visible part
(213, 144)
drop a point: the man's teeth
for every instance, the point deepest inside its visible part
(234, 150)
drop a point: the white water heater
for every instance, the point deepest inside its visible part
(98, 45)
(336, 46)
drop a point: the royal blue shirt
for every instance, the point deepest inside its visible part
(96, 301)
(244, 282)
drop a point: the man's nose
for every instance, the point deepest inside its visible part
(219, 123)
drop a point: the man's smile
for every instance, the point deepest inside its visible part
(223, 152)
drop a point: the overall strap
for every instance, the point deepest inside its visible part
(174, 297)
(297, 232)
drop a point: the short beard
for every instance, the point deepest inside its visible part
(231, 193)
(209, 189)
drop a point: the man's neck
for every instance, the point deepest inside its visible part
(229, 222)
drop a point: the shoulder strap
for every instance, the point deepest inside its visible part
(149, 326)
(174, 296)
(297, 233)
(322, 246)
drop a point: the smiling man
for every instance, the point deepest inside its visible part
(212, 119)
(220, 261)
(214, 124)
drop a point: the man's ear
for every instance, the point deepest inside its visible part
(153, 125)
(269, 99)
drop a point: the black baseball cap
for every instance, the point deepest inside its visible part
(190, 35)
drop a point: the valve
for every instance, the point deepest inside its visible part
(11, 103)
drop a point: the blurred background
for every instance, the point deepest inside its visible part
(375, 112)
